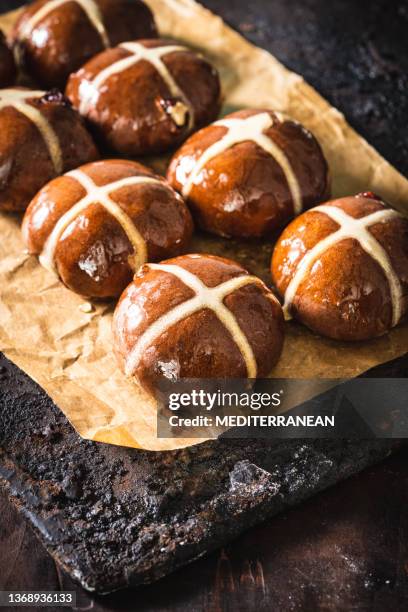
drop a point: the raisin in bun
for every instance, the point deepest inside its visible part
(41, 136)
(53, 38)
(96, 225)
(342, 268)
(197, 316)
(250, 173)
(146, 97)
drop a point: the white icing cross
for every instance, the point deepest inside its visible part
(89, 90)
(90, 8)
(241, 130)
(18, 99)
(99, 195)
(205, 297)
(357, 229)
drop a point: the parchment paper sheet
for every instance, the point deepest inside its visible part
(43, 326)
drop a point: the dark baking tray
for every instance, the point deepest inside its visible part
(114, 517)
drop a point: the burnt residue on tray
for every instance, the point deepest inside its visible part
(115, 516)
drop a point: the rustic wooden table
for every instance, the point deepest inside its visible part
(346, 549)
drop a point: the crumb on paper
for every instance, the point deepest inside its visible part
(86, 307)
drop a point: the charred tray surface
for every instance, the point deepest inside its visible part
(114, 517)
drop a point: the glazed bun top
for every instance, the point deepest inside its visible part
(146, 96)
(342, 268)
(250, 173)
(7, 65)
(41, 136)
(55, 37)
(97, 224)
(197, 316)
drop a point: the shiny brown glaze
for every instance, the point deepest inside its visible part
(25, 162)
(66, 38)
(345, 294)
(243, 191)
(94, 256)
(7, 65)
(199, 345)
(130, 113)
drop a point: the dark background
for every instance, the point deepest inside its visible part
(353, 52)
(346, 548)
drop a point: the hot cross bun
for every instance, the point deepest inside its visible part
(96, 225)
(342, 268)
(41, 136)
(250, 173)
(147, 96)
(53, 38)
(197, 316)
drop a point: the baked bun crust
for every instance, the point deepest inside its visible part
(96, 225)
(250, 173)
(146, 97)
(7, 65)
(197, 316)
(342, 268)
(41, 136)
(74, 31)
